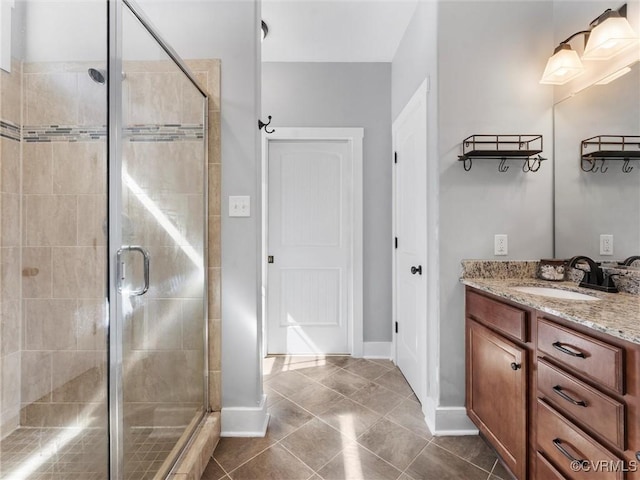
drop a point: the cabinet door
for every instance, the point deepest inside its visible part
(497, 393)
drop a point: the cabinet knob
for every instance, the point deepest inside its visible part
(638, 456)
(515, 366)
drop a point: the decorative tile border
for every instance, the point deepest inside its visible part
(74, 133)
(9, 130)
(164, 133)
(62, 133)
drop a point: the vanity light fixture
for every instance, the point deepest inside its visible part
(563, 66)
(608, 35)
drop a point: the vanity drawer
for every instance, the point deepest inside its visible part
(598, 360)
(504, 318)
(562, 442)
(546, 471)
(603, 414)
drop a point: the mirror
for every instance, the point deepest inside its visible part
(589, 204)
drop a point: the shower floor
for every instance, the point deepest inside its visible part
(75, 454)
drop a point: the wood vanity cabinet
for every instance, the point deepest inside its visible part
(575, 398)
(497, 361)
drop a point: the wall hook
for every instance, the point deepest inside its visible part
(503, 167)
(626, 168)
(265, 125)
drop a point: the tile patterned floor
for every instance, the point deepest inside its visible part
(343, 418)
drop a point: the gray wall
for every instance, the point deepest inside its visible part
(348, 95)
(228, 30)
(490, 56)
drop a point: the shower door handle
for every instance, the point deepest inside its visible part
(121, 269)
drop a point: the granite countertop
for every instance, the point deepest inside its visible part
(616, 314)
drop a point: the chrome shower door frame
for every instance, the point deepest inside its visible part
(115, 322)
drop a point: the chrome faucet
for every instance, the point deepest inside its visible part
(594, 278)
(630, 260)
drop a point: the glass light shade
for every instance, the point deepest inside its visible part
(562, 67)
(609, 38)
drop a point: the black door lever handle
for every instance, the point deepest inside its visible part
(417, 270)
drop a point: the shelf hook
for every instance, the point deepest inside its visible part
(265, 125)
(603, 167)
(588, 161)
(626, 168)
(537, 163)
(464, 164)
(503, 167)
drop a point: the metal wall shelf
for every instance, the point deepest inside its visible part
(609, 147)
(503, 148)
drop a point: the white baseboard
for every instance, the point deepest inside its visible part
(450, 421)
(245, 421)
(377, 350)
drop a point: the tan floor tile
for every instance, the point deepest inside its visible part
(344, 382)
(471, 448)
(409, 415)
(319, 372)
(393, 443)
(341, 360)
(383, 361)
(273, 397)
(275, 463)
(286, 417)
(367, 369)
(232, 452)
(288, 383)
(395, 381)
(213, 471)
(435, 463)
(377, 398)
(315, 443)
(500, 472)
(356, 463)
(350, 418)
(316, 398)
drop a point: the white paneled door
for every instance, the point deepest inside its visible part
(410, 244)
(309, 246)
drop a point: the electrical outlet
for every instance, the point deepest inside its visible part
(606, 244)
(501, 244)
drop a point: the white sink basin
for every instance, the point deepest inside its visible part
(555, 293)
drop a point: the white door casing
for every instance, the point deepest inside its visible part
(410, 230)
(312, 227)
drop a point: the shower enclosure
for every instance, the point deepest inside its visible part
(103, 244)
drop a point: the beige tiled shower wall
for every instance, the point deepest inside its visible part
(10, 237)
(208, 74)
(63, 268)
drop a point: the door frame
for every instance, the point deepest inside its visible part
(354, 136)
(426, 328)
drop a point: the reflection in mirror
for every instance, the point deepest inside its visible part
(589, 204)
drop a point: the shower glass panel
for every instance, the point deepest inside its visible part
(98, 382)
(163, 201)
(53, 208)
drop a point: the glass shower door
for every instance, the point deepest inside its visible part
(161, 270)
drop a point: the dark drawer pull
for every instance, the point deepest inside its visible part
(558, 346)
(558, 389)
(558, 444)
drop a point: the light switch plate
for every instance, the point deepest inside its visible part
(240, 206)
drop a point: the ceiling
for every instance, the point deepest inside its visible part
(334, 30)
